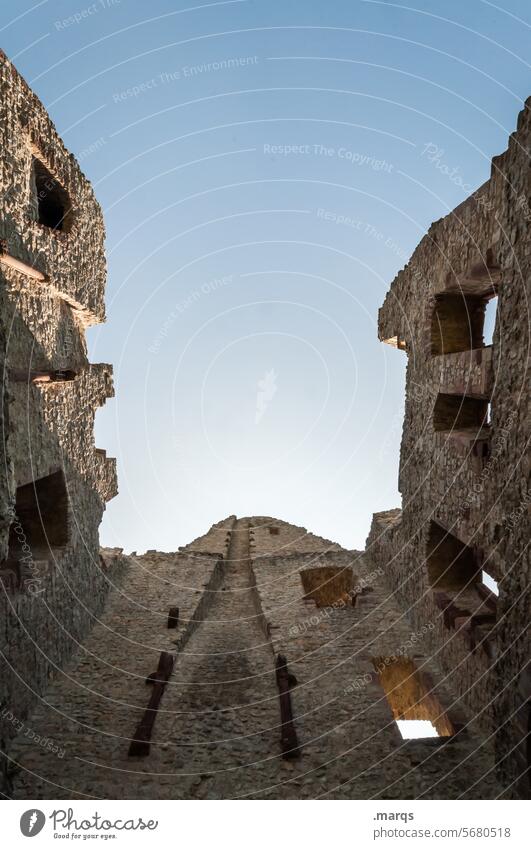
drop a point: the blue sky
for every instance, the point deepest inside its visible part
(264, 172)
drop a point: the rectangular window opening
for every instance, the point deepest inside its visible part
(455, 574)
(41, 518)
(456, 414)
(463, 321)
(415, 729)
(489, 582)
(416, 709)
(490, 320)
(452, 565)
(51, 201)
(328, 585)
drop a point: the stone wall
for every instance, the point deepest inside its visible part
(336, 615)
(72, 261)
(351, 746)
(218, 728)
(54, 481)
(94, 704)
(472, 480)
(270, 536)
(216, 541)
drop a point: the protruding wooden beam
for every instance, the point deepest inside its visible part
(140, 744)
(285, 681)
(28, 376)
(18, 265)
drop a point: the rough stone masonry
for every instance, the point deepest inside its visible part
(293, 668)
(465, 461)
(249, 591)
(54, 482)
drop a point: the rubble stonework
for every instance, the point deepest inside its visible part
(288, 660)
(464, 461)
(54, 481)
(218, 730)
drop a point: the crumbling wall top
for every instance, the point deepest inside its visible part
(50, 218)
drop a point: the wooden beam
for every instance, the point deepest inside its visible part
(20, 266)
(288, 738)
(140, 744)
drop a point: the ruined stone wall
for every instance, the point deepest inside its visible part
(512, 417)
(216, 541)
(218, 728)
(54, 583)
(73, 261)
(351, 746)
(285, 538)
(95, 702)
(54, 481)
(473, 482)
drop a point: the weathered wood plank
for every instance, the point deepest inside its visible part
(285, 681)
(140, 744)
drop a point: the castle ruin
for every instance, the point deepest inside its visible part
(261, 660)
(465, 460)
(54, 482)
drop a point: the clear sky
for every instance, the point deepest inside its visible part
(264, 171)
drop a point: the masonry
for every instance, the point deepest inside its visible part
(261, 660)
(464, 463)
(250, 591)
(54, 482)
